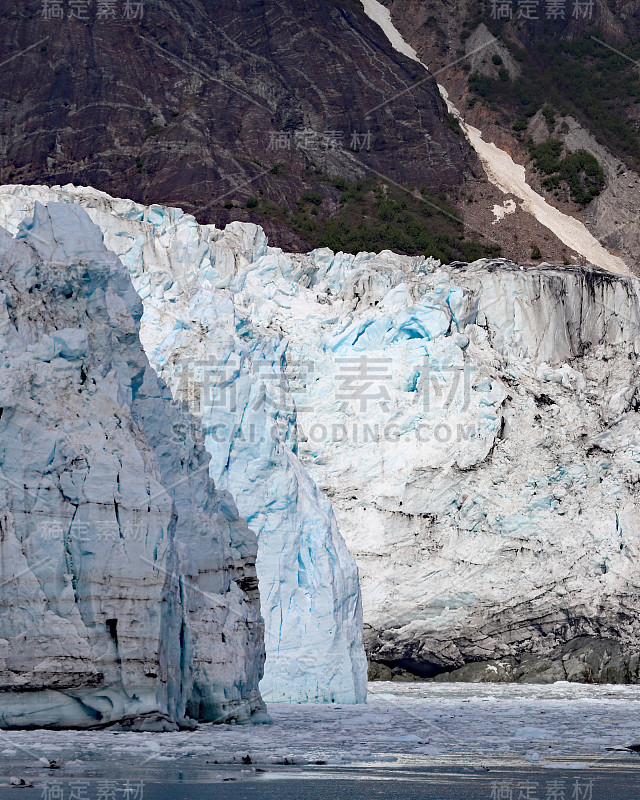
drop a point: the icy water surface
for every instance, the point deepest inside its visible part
(421, 740)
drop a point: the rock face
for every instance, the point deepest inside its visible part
(475, 427)
(232, 374)
(202, 100)
(128, 584)
(503, 172)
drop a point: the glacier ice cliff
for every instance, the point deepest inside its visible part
(474, 426)
(232, 375)
(127, 581)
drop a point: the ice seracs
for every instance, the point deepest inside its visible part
(473, 426)
(127, 581)
(231, 370)
(476, 429)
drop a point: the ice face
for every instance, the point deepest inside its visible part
(129, 593)
(474, 427)
(231, 370)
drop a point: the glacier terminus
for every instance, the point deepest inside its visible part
(467, 431)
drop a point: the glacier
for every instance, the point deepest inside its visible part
(232, 375)
(474, 427)
(129, 589)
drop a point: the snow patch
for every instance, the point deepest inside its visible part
(500, 212)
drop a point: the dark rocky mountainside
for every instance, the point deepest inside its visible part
(302, 117)
(211, 106)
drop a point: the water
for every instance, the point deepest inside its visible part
(476, 741)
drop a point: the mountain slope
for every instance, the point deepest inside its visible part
(527, 82)
(206, 105)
